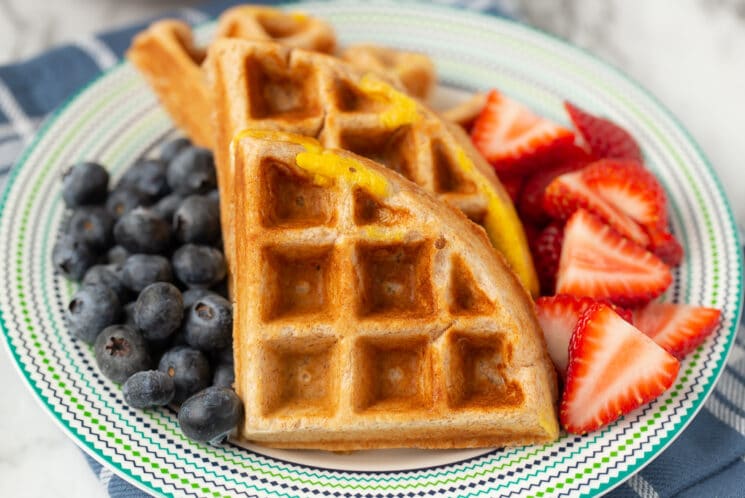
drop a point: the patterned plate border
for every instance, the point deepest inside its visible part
(115, 119)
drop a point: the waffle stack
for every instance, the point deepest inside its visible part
(167, 56)
(368, 314)
(267, 86)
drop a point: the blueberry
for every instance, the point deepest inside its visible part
(72, 257)
(214, 196)
(224, 375)
(159, 310)
(224, 355)
(84, 183)
(210, 415)
(192, 295)
(147, 176)
(197, 220)
(109, 276)
(198, 266)
(192, 171)
(128, 315)
(93, 225)
(123, 200)
(141, 270)
(148, 388)
(167, 206)
(143, 231)
(92, 309)
(209, 323)
(117, 255)
(169, 149)
(121, 352)
(189, 369)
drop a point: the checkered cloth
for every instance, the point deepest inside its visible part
(707, 460)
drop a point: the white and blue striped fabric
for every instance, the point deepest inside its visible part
(707, 460)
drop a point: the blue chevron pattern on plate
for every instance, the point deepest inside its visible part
(116, 119)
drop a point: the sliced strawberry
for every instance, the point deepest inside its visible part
(513, 185)
(613, 369)
(630, 188)
(515, 140)
(546, 253)
(531, 199)
(604, 137)
(558, 316)
(678, 328)
(665, 246)
(569, 192)
(598, 262)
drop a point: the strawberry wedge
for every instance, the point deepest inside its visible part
(558, 316)
(514, 139)
(569, 192)
(598, 262)
(613, 369)
(678, 328)
(604, 137)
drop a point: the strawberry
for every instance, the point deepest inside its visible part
(613, 369)
(665, 246)
(513, 185)
(530, 204)
(677, 328)
(570, 192)
(515, 140)
(605, 138)
(558, 316)
(630, 188)
(598, 262)
(546, 253)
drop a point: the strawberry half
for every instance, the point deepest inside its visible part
(630, 188)
(678, 328)
(513, 185)
(613, 369)
(514, 139)
(665, 246)
(598, 262)
(569, 192)
(604, 137)
(531, 198)
(546, 254)
(558, 316)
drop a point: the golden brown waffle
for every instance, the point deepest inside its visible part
(369, 314)
(465, 113)
(166, 56)
(267, 86)
(415, 71)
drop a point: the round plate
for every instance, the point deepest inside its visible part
(116, 119)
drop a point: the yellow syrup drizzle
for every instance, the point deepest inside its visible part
(402, 109)
(323, 164)
(502, 226)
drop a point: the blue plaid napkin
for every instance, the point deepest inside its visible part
(707, 460)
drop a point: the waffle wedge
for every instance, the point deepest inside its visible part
(267, 86)
(369, 314)
(166, 55)
(415, 71)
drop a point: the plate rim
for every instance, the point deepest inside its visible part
(648, 456)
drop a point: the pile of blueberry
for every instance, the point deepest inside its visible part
(153, 297)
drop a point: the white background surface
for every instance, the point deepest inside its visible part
(689, 53)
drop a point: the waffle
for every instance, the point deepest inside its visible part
(165, 54)
(415, 71)
(267, 86)
(368, 314)
(465, 113)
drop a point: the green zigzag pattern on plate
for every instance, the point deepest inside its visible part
(456, 472)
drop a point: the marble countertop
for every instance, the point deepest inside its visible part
(689, 53)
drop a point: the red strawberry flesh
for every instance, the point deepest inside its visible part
(613, 369)
(598, 262)
(678, 328)
(604, 137)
